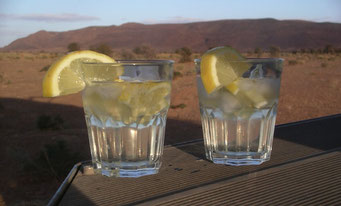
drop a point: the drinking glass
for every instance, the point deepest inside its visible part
(125, 105)
(238, 120)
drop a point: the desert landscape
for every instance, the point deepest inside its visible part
(42, 138)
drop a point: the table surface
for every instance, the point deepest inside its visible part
(304, 169)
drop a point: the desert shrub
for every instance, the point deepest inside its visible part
(102, 48)
(54, 160)
(47, 122)
(177, 75)
(45, 68)
(329, 49)
(312, 51)
(293, 62)
(73, 47)
(185, 54)
(145, 51)
(258, 51)
(181, 106)
(274, 51)
(127, 54)
(324, 65)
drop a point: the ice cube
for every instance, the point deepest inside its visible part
(108, 91)
(246, 84)
(262, 92)
(229, 103)
(257, 72)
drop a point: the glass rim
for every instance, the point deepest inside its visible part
(132, 63)
(255, 60)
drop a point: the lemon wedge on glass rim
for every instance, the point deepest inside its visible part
(220, 67)
(65, 77)
(224, 67)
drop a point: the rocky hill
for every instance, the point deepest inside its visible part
(241, 34)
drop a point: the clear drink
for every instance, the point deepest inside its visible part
(126, 115)
(238, 121)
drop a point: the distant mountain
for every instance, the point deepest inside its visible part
(241, 34)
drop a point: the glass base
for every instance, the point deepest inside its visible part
(126, 169)
(239, 158)
(127, 173)
(238, 162)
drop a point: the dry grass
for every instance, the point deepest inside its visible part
(311, 87)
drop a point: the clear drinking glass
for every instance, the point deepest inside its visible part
(125, 106)
(238, 120)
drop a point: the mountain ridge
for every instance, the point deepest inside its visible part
(245, 34)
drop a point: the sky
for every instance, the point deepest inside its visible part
(20, 18)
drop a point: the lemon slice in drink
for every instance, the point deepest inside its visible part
(233, 87)
(220, 67)
(145, 99)
(64, 76)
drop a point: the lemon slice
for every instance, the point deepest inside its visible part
(220, 67)
(65, 77)
(233, 87)
(144, 99)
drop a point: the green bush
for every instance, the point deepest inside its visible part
(274, 51)
(185, 54)
(127, 54)
(177, 74)
(73, 47)
(293, 62)
(145, 51)
(45, 68)
(329, 49)
(258, 51)
(102, 48)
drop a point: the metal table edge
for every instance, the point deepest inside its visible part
(57, 197)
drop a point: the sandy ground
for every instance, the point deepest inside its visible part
(311, 87)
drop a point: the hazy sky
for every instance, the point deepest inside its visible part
(19, 18)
